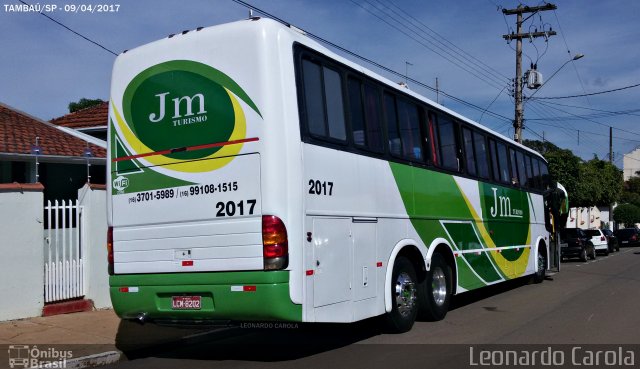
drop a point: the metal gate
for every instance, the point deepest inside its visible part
(64, 251)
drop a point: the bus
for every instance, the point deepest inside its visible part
(255, 175)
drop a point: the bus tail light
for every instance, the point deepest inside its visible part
(110, 249)
(275, 245)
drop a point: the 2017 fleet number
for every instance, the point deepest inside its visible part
(231, 208)
(320, 187)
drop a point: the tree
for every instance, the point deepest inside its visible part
(83, 104)
(600, 183)
(593, 182)
(564, 167)
(627, 214)
(542, 147)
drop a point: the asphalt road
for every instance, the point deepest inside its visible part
(595, 305)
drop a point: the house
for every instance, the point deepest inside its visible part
(631, 164)
(63, 160)
(91, 121)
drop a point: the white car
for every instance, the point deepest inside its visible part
(599, 240)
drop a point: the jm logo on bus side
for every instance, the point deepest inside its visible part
(502, 206)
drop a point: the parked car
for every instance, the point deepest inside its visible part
(575, 243)
(612, 240)
(628, 237)
(599, 240)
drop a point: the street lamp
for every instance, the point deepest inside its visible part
(575, 57)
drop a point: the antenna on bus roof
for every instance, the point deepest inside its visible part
(251, 16)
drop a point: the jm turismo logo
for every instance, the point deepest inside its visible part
(120, 183)
(502, 206)
(178, 119)
(25, 356)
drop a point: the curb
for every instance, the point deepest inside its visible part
(90, 361)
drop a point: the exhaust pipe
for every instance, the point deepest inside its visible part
(142, 318)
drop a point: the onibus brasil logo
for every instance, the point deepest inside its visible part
(25, 356)
(179, 113)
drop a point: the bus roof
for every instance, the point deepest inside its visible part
(298, 35)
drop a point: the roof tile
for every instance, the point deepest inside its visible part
(93, 116)
(18, 132)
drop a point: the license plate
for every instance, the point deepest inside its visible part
(625, 241)
(186, 302)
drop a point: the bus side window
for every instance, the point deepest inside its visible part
(480, 146)
(522, 174)
(432, 137)
(334, 103)
(514, 167)
(323, 101)
(528, 160)
(493, 153)
(356, 110)
(504, 163)
(537, 181)
(470, 156)
(544, 173)
(409, 120)
(395, 146)
(448, 146)
(373, 118)
(312, 77)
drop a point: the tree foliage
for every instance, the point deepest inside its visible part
(83, 104)
(627, 213)
(594, 182)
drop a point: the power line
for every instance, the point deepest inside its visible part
(75, 32)
(569, 52)
(591, 94)
(621, 112)
(592, 116)
(590, 120)
(450, 58)
(374, 63)
(462, 52)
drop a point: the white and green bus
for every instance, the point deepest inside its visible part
(256, 175)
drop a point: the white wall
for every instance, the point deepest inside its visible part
(22, 254)
(94, 200)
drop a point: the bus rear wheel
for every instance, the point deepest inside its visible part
(404, 297)
(435, 291)
(541, 272)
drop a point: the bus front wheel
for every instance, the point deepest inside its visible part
(404, 297)
(435, 292)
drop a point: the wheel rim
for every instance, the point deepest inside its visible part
(542, 264)
(584, 254)
(405, 294)
(439, 286)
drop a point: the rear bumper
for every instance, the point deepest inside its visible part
(569, 252)
(628, 243)
(221, 293)
(602, 246)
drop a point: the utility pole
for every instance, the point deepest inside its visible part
(518, 36)
(437, 91)
(610, 144)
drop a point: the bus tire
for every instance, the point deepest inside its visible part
(404, 306)
(435, 292)
(541, 272)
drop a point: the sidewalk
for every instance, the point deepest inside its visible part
(94, 337)
(85, 334)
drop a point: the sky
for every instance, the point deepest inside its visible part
(44, 67)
